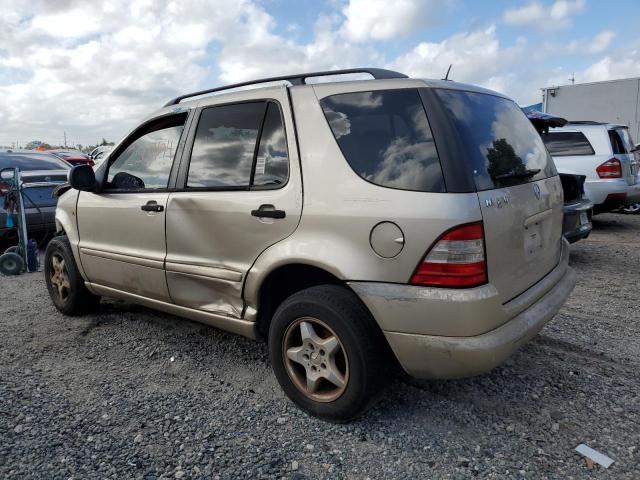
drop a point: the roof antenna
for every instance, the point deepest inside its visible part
(446, 77)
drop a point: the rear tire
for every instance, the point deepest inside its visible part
(11, 263)
(64, 282)
(328, 354)
(634, 208)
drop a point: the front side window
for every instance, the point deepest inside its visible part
(501, 146)
(145, 164)
(566, 144)
(224, 146)
(386, 139)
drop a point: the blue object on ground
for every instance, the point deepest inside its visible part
(32, 256)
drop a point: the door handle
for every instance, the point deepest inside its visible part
(152, 206)
(268, 211)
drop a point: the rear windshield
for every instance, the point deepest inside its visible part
(32, 162)
(567, 144)
(385, 137)
(501, 145)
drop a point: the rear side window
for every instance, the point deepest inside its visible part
(625, 138)
(272, 160)
(617, 142)
(224, 145)
(225, 155)
(386, 139)
(502, 148)
(564, 144)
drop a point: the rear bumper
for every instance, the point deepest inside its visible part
(573, 226)
(467, 352)
(606, 194)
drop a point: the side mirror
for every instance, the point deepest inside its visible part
(636, 147)
(82, 177)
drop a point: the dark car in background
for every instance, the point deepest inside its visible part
(41, 173)
(577, 208)
(74, 157)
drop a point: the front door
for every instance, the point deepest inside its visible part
(241, 193)
(122, 229)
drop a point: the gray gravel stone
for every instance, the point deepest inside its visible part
(79, 391)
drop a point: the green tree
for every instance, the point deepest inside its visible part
(503, 159)
(32, 145)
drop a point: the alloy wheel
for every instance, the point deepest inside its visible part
(315, 359)
(59, 277)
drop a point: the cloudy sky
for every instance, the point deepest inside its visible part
(95, 68)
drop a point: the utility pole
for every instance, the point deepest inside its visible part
(572, 78)
(65, 139)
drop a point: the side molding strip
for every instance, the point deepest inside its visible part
(233, 325)
(145, 262)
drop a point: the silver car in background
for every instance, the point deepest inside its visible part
(602, 152)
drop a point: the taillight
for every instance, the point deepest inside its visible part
(456, 260)
(610, 169)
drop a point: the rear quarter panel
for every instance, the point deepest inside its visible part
(340, 209)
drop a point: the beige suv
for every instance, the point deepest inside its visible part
(354, 225)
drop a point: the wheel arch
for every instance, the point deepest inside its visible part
(283, 281)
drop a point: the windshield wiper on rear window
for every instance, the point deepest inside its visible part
(525, 174)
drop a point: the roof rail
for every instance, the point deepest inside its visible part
(586, 122)
(298, 79)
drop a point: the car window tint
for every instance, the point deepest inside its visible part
(272, 161)
(562, 144)
(146, 163)
(502, 148)
(617, 145)
(224, 145)
(386, 139)
(33, 161)
(626, 139)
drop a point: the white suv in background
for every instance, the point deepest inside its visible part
(603, 153)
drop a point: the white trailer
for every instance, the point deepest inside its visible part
(612, 101)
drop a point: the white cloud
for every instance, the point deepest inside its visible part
(384, 20)
(115, 61)
(476, 56)
(623, 63)
(260, 52)
(598, 44)
(97, 78)
(601, 42)
(612, 67)
(535, 14)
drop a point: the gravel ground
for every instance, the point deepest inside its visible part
(131, 393)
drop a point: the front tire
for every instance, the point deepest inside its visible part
(64, 282)
(327, 353)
